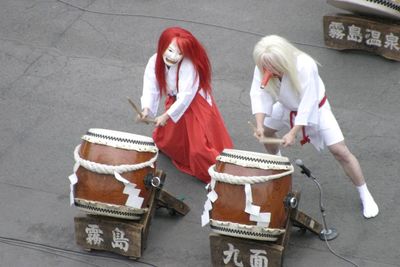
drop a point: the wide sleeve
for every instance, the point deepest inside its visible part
(261, 100)
(151, 94)
(188, 85)
(308, 110)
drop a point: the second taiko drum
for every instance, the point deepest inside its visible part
(250, 189)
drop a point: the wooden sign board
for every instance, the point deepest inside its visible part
(125, 237)
(374, 35)
(110, 234)
(232, 252)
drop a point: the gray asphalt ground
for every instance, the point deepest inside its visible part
(67, 66)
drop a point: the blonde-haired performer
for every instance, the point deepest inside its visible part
(288, 91)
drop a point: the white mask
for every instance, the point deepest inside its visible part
(172, 54)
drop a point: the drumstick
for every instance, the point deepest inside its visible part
(147, 120)
(270, 140)
(266, 140)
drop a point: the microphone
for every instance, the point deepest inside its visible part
(303, 168)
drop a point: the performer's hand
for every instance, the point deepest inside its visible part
(289, 139)
(162, 120)
(259, 127)
(259, 132)
(143, 116)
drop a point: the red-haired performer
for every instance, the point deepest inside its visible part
(295, 96)
(191, 130)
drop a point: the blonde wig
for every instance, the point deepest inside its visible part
(276, 53)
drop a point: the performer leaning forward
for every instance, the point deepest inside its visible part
(288, 91)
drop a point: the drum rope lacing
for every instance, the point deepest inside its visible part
(233, 179)
(111, 169)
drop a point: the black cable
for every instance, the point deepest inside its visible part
(175, 19)
(16, 244)
(50, 249)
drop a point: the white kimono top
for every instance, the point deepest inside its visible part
(188, 87)
(312, 92)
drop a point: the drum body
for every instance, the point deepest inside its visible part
(251, 189)
(105, 154)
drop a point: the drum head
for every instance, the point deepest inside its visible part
(120, 140)
(381, 8)
(250, 159)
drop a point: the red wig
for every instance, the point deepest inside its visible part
(191, 49)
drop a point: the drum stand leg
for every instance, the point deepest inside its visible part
(305, 222)
(299, 219)
(171, 203)
(163, 198)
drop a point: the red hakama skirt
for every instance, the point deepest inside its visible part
(196, 139)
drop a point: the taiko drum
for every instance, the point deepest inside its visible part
(268, 181)
(100, 192)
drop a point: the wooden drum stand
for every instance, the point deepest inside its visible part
(233, 251)
(122, 236)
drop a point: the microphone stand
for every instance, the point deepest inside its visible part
(326, 234)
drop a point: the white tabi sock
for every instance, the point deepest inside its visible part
(370, 208)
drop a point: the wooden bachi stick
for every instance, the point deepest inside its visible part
(266, 140)
(270, 140)
(139, 112)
